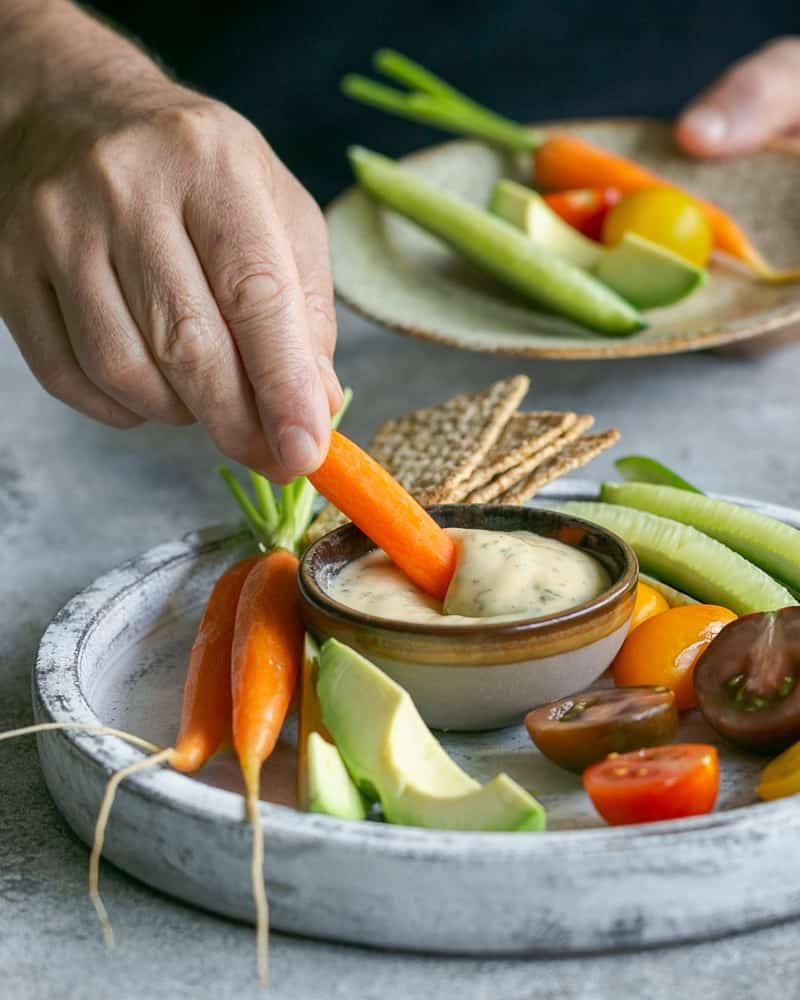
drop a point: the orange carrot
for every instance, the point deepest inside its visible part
(363, 490)
(207, 700)
(205, 715)
(267, 653)
(567, 161)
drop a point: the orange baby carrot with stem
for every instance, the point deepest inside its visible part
(373, 500)
(205, 715)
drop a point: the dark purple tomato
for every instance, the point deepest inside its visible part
(576, 731)
(746, 680)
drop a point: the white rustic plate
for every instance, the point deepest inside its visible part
(394, 273)
(117, 653)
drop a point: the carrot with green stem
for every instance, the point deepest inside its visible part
(560, 161)
(205, 715)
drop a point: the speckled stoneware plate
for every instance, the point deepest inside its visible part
(117, 653)
(394, 273)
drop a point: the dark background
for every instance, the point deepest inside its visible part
(279, 63)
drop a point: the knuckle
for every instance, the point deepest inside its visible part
(289, 383)
(194, 129)
(251, 295)
(187, 348)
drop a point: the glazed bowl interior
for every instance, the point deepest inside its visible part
(488, 674)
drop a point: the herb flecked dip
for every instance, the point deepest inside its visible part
(500, 576)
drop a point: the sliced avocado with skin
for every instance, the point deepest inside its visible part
(539, 274)
(331, 790)
(647, 275)
(394, 757)
(643, 273)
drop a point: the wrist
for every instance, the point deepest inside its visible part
(58, 64)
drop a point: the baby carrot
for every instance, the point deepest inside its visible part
(364, 491)
(205, 714)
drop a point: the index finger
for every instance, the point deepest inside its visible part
(248, 261)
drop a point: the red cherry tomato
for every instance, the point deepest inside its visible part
(584, 208)
(665, 782)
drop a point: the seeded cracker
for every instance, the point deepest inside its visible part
(431, 451)
(574, 456)
(524, 435)
(511, 477)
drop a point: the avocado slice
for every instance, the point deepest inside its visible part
(646, 274)
(331, 790)
(546, 278)
(643, 273)
(394, 757)
(323, 784)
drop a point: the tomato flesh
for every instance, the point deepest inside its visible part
(747, 682)
(665, 216)
(585, 209)
(654, 784)
(664, 649)
(583, 728)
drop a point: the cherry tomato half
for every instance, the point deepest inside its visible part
(681, 779)
(667, 217)
(649, 603)
(583, 728)
(664, 649)
(585, 209)
(746, 682)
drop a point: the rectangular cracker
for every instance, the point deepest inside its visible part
(431, 450)
(574, 456)
(508, 479)
(523, 435)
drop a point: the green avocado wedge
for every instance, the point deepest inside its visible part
(394, 758)
(770, 544)
(496, 246)
(687, 559)
(643, 273)
(331, 790)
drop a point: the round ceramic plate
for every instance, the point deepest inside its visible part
(117, 653)
(396, 274)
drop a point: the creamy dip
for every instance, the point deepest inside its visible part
(500, 576)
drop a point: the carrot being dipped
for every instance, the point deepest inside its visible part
(374, 501)
(560, 161)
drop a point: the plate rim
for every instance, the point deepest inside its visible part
(58, 696)
(606, 348)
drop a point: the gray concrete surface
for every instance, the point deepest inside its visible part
(77, 498)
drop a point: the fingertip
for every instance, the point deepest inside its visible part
(703, 131)
(298, 451)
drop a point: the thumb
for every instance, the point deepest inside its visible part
(754, 101)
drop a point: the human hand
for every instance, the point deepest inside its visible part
(754, 103)
(157, 260)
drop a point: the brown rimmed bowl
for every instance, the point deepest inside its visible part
(484, 676)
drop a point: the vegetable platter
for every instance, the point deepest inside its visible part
(117, 654)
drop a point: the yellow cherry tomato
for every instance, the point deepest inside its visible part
(665, 216)
(781, 777)
(664, 649)
(648, 603)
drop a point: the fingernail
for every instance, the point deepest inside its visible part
(707, 124)
(328, 373)
(297, 451)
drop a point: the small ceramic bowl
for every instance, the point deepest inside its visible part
(484, 676)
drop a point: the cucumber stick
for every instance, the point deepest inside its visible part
(770, 544)
(497, 247)
(687, 559)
